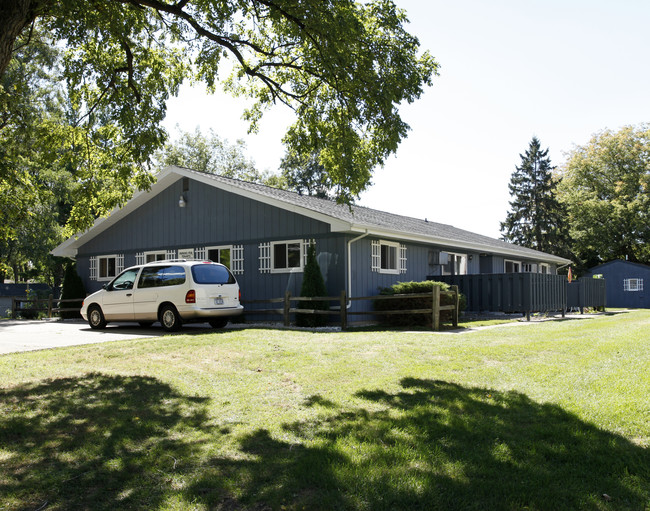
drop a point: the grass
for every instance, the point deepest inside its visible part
(549, 415)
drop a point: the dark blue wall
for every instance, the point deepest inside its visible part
(614, 273)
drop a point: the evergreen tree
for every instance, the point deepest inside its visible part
(73, 287)
(537, 218)
(313, 284)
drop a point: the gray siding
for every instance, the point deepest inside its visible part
(215, 217)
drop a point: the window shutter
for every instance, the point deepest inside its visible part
(265, 257)
(139, 258)
(402, 258)
(93, 268)
(375, 263)
(305, 248)
(119, 264)
(200, 254)
(170, 254)
(237, 259)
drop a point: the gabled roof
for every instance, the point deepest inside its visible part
(595, 269)
(340, 217)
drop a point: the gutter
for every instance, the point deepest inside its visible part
(349, 262)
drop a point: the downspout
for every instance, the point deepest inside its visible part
(350, 266)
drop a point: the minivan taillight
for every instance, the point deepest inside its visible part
(240, 295)
(190, 297)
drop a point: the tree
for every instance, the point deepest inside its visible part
(344, 67)
(214, 155)
(305, 174)
(536, 219)
(606, 189)
(313, 285)
(73, 287)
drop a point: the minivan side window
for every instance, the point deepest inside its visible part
(159, 276)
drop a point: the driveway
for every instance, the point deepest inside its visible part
(42, 334)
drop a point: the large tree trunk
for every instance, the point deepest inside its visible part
(15, 16)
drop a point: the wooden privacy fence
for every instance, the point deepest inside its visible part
(524, 292)
(42, 305)
(285, 309)
(586, 292)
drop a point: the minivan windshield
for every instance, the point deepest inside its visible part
(212, 274)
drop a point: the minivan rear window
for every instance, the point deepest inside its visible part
(158, 276)
(212, 274)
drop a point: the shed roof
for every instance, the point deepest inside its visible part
(341, 217)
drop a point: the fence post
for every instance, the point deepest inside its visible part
(435, 307)
(454, 317)
(49, 306)
(344, 311)
(287, 307)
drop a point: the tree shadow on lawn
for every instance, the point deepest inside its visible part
(99, 442)
(106, 442)
(435, 445)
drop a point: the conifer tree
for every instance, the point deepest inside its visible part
(73, 287)
(313, 284)
(536, 219)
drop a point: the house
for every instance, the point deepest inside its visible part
(262, 234)
(625, 283)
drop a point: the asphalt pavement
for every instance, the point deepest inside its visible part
(20, 335)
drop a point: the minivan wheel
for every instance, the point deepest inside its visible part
(218, 323)
(169, 318)
(96, 317)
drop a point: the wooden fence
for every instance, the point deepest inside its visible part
(285, 309)
(48, 305)
(526, 292)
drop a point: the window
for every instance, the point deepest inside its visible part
(388, 257)
(106, 267)
(456, 264)
(152, 257)
(512, 266)
(632, 284)
(220, 255)
(286, 256)
(211, 274)
(161, 276)
(529, 268)
(124, 281)
(544, 268)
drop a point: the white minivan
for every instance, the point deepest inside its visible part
(172, 292)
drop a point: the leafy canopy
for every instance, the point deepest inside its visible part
(342, 66)
(606, 188)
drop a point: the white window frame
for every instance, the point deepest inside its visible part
(294, 269)
(219, 248)
(96, 265)
(376, 259)
(505, 264)
(147, 256)
(633, 285)
(462, 269)
(528, 267)
(544, 266)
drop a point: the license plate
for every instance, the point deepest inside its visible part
(218, 301)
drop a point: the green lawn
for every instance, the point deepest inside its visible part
(542, 416)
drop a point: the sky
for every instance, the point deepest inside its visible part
(561, 70)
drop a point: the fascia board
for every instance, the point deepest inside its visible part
(477, 247)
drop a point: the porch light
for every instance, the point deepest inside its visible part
(181, 202)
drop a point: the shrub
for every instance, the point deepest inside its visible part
(405, 288)
(313, 284)
(73, 287)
